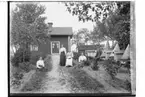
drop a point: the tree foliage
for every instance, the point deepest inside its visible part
(112, 19)
(93, 11)
(82, 36)
(28, 25)
(116, 26)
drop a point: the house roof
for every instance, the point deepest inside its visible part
(88, 47)
(61, 31)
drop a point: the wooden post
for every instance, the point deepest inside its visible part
(133, 48)
(69, 44)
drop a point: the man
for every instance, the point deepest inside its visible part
(98, 54)
(82, 58)
(62, 53)
(40, 63)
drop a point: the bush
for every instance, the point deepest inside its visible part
(48, 64)
(21, 55)
(18, 76)
(25, 66)
(94, 65)
(127, 65)
(112, 67)
(86, 63)
(76, 55)
(15, 82)
(35, 57)
(128, 85)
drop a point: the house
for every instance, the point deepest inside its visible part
(90, 50)
(58, 36)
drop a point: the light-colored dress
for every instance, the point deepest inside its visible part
(62, 49)
(69, 59)
(40, 64)
(82, 58)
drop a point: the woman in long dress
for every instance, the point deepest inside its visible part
(62, 56)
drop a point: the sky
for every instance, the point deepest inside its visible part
(57, 13)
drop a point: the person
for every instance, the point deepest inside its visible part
(98, 54)
(40, 63)
(69, 59)
(82, 58)
(62, 53)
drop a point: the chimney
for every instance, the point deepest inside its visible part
(50, 26)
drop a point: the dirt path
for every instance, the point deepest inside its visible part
(55, 82)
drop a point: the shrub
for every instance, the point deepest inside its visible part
(127, 65)
(76, 55)
(25, 66)
(128, 85)
(18, 76)
(48, 64)
(21, 55)
(35, 57)
(112, 67)
(94, 65)
(86, 63)
(15, 82)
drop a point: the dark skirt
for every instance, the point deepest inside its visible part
(62, 59)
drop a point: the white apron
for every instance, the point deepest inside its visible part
(69, 60)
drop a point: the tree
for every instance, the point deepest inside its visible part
(82, 36)
(117, 25)
(93, 11)
(112, 19)
(28, 25)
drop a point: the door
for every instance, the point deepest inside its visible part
(55, 45)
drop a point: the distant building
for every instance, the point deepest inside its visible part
(90, 50)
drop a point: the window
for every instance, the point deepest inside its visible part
(33, 48)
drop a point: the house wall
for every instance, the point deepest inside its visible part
(63, 40)
(45, 48)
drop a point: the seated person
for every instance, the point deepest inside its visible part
(82, 58)
(40, 63)
(69, 59)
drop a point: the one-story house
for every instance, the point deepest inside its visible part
(58, 36)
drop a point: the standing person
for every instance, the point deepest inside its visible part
(69, 59)
(98, 54)
(62, 53)
(40, 64)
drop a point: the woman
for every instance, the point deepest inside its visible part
(69, 59)
(62, 56)
(40, 64)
